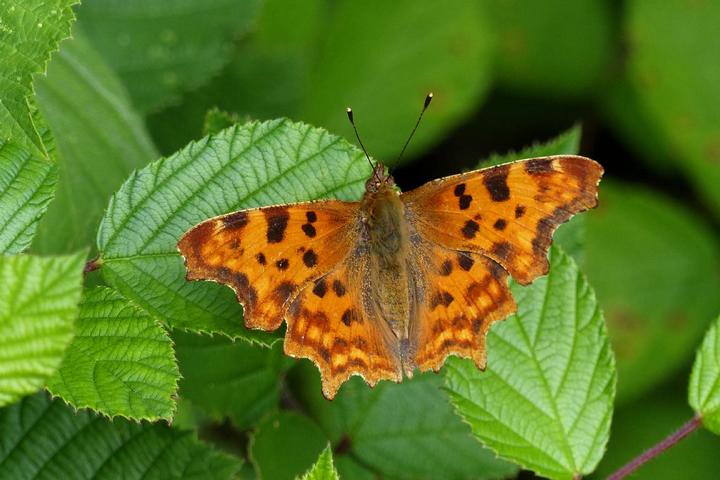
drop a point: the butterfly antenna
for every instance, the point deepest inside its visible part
(357, 135)
(428, 99)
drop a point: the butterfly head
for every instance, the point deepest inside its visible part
(379, 180)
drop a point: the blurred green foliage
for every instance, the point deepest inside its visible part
(144, 78)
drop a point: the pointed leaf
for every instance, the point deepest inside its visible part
(29, 31)
(294, 436)
(45, 439)
(545, 400)
(99, 140)
(38, 305)
(27, 184)
(323, 468)
(243, 166)
(120, 362)
(704, 392)
(162, 47)
(404, 431)
(243, 384)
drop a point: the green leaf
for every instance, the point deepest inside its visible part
(567, 143)
(244, 166)
(546, 398)
(402, 431)
(704, 391)
(38, 305)
(243, 383)
(297, 64)
(666, 39)
(27, 185)
(217, 120)
(653, 265)
(45, 439)
(100, 140)
(570, 236)
(296, 438)
(570, 61)
(120, 361)
(323, 468)
(162, 47)
(29, 31)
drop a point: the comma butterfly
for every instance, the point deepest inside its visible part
(396, 281)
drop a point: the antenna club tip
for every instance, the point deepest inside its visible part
(350, 114)
(428, 99)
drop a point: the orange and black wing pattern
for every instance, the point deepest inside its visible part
(268, 255)
(508, 212)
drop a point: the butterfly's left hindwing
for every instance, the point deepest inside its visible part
(507, 213)
(267, 255)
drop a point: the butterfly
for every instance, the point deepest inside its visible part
(396, 281)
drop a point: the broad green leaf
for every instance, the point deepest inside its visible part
(546, 398)
(285, 445)
(30, 31)
(99, 138)
(673, 68)
(323, 468)
(445, 50)
(403, 431)
(120, 362)
(704, 391)
(310, 60)
(38, 305)
(44, 439)
(243, 383)
(244, 166)
(570, 236)
(642, 423)
(27, 184)
(161, 48)
(555, 48)
(653, 265)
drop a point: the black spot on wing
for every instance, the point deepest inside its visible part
(338, 288)
(470, 228)
(539, 166)
(465, 262)
(500, 224)
(282, 264)
(459, 189)
(310, 258)
(260, 257)
(311, 216)
(320, 288)
(309, 230)
(235, 220)
(464, 202)
(495, 181)
(277, 220)
(519, 211)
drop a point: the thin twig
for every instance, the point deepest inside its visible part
(689, 427)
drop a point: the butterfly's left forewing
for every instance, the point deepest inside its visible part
(268, 255)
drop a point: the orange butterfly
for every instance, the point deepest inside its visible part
(396, 281)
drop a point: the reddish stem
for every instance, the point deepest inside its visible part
(92, 265)
(672, 439)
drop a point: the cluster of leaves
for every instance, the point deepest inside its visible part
(122, 354)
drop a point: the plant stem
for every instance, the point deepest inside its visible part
(92, 265)
(652, 452)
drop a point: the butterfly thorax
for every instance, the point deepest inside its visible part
(387, 230)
